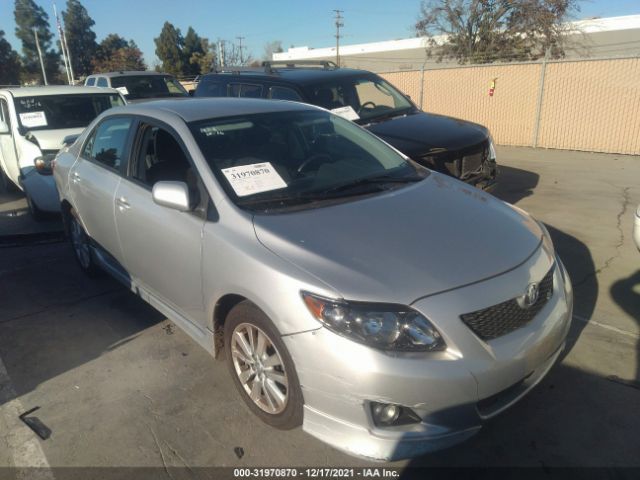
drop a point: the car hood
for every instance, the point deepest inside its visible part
(420, 133)
(52, 139)
(407, 243)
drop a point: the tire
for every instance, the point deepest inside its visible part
(81, 246)
(269, 378)
(6, 185)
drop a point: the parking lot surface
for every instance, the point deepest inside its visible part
(119, 385)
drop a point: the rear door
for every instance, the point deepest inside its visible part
(94, 179)
(162, 247)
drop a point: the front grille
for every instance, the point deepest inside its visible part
(505, 317)
(462, 164)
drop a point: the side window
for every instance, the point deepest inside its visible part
(91, 81)
(102, 82)
(4, 113)
(245, 90)
(160, 158)
(208, 88)
(283, 93)
(108, 142)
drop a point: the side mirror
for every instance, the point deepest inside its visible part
(69, 140)
(192, 93)
(4, 128)
(174, 195)
(44, 164)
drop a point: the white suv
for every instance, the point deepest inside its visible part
(34, 121)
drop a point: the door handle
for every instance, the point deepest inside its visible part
(75, 177)
(122, 204)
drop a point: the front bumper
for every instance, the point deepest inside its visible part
(452, 392)
(42, 190)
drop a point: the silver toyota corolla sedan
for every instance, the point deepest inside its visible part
(387, 309)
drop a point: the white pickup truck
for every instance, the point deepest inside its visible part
(34, 121)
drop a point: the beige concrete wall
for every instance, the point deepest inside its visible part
(584, 105)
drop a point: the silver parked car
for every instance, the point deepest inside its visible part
(388, 309)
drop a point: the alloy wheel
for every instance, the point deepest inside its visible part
(260, 369)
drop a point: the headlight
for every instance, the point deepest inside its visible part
(492, 149)
(387, 327)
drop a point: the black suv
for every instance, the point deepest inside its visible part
(456, 147)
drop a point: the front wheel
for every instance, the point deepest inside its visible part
(262, 368)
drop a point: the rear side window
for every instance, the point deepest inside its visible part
(91, 82)
(102, 82)
(283, 93)
(108, 142)
(210, 88)
(245, 90)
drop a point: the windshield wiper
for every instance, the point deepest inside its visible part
(378, 180)
(387, 115)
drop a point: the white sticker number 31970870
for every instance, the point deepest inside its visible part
(255, 178)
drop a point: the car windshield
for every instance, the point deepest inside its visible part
(148, 86)
(362, 99)
(276, 160)
(50, 112)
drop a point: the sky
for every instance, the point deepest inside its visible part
(294, 22)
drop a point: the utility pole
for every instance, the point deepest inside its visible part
(222, 53)
(62, 46)
(338, 19)
(240, 39)
(44, 73)
(64, 37)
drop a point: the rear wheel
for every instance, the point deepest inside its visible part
(81, 245)
(262, 368)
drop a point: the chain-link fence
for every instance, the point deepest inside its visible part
(589, 105)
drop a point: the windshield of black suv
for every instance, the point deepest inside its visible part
(50, 112)
(275, 160)
(361, 99)
(134, 87)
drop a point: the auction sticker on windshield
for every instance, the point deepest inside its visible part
(255, 178)
(33, 119)
(346, 112)
(123, 90)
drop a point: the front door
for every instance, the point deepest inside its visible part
(162, 247)
(8, 158)
(96, 176)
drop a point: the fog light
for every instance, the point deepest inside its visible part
(390, 415)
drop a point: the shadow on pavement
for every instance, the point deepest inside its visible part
(626, 293)
(514, 184)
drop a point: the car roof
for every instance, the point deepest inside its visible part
(127, 73)
(194, 109)
(302, 76)
(56, 90)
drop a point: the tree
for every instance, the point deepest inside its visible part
(202, 61)
(9, 63)
(29, 16)
(81, 39)
(271, 48)
(169, 47)
(482, 31)
(193, 49)
(116, 54)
